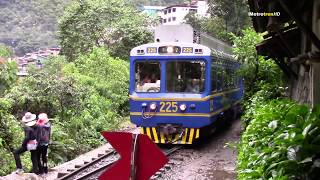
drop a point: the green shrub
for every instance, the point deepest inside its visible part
(82, 98)
(282, 141)
(11, 136)
(8, 75)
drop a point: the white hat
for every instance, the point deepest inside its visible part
(31, 123)
(28, 116)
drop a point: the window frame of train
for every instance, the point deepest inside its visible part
(187, 78)
(139, 78)
(217, 68)
(223, 74)
(228, 75)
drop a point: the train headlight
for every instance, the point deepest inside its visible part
(183, 107)
(153, 106)
(169, 49)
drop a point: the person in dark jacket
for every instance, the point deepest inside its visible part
(43, 138)
(29, 121)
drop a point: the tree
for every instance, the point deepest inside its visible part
(257, 71)
(114, 24)
(10, 135)
(82, 98)
(234, 13)
(5, 52)
(8, 70)
(213, 26)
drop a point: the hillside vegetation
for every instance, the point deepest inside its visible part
(84, 92)
(28, 25)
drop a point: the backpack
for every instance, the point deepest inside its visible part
(43, 135)
(32, 145)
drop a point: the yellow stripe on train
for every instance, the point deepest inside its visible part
(216, 94)
(187, 137)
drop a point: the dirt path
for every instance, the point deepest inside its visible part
(211, 160)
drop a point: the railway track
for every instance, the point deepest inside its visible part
(93, 169)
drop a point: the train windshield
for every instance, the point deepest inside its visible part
(147, 76)
(185, 76)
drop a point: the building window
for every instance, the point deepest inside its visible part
(165, 11)
(164, 20)
(193, 10)
(169, 19)
(173, 18)
(173, 9)
(169, 10)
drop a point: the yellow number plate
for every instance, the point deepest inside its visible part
(168, 106)
(187, 50)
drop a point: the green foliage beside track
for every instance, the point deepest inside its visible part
(10, 130)
(282, 141)
(258, 72)
(83, 98)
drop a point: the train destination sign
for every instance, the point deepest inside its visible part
(169, 50)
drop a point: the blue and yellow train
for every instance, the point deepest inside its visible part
(179, 90)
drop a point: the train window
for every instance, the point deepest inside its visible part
(234, 78)
(228, 78)
(185, 76)
(147, 76)
(213, 78)
(225, 79)
(219, 79)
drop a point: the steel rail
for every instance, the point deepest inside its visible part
(80, 169)
(103, 167)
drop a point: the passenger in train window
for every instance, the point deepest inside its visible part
(193, 86)
(154, 78)
(146, 79)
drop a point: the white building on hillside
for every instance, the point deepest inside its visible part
(173, 15)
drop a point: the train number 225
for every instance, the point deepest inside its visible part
(168, 106)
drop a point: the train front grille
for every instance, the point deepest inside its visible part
(187, 136)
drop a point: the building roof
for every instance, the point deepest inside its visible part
(153, 7)
(181, 5)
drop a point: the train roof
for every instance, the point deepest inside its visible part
(142, 50)
(137, 50)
